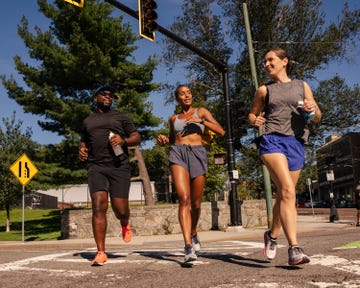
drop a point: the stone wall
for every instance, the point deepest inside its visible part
(254, 213)
(163, 219)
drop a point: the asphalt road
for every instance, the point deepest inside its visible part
(345, 214)
(236, 262)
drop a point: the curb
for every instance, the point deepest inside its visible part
(306, 223)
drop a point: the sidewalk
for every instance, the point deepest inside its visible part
(306, 223)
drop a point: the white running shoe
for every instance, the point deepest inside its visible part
(189, 253)
(196, 242)
(269, 246)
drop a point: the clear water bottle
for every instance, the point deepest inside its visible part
(118, 150)
(308, 116)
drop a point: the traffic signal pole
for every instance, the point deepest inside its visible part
(266, 175)
(235, 212)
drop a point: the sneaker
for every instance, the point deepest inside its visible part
(100, 259)
(189, 253)
(126, 233)
(196, 242)
(269, 246)
(297, 256)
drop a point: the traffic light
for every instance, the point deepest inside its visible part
(79, 3)
(239, 120)
(147, 17)
(240, 112)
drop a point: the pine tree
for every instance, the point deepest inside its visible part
(82, 48)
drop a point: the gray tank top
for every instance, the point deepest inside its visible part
(280, 110)
(181, 128)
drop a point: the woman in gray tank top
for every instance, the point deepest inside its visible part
(188, 163)
(282, 110)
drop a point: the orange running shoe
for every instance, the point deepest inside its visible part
(126, 233)
(100, 259)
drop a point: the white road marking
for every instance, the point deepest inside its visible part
(342, 264)
(126, 261)
(347, 284)
(70, 273)
(336, 262)
(22, 265)
(248, 245)
(27, 265)
(256, 285)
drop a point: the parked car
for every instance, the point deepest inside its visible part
(315, 204)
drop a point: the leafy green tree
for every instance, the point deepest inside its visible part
(13, 143)
(81, 49)
(157, 164)
(216, 177)
(198, 25)
(58, 166)
(251, 183)
(299, 26)
(340, 106)
(203, 29)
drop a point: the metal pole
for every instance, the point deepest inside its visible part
(235, 211)
(308, 180)
(222, 66)
(250, 47)
(219, 64)
(266, 175)
(23, 215)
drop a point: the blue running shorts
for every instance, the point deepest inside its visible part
(290, 146)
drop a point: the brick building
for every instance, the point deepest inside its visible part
(338, 163)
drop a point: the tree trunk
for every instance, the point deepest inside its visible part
(144, 176)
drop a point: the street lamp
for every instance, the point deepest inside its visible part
(308, 182)
(333, 211)
(357, 197)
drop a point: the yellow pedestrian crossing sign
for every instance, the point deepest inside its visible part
(23, 169)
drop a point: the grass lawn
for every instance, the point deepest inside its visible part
(352, 245)
(38, 225)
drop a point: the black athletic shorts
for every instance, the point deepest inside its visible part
(358, 204)
(114, 180)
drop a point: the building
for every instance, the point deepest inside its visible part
(69, 196)
(338, 163)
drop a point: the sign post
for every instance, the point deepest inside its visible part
(308, 182)
(24, 170)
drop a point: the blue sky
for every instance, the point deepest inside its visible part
(11, 45)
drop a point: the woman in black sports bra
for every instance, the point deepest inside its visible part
(188, 163)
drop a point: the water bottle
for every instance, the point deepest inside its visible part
(118, 150)
(308, 116)
(311, 116)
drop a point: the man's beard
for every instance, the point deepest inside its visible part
(104, 108)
